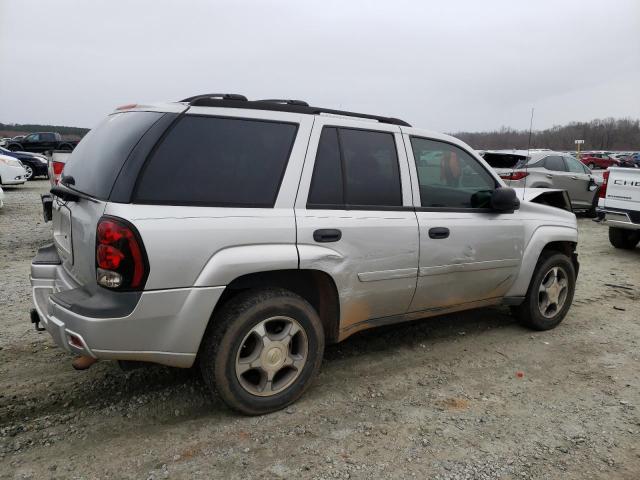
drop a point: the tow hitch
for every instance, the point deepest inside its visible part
(35, 319)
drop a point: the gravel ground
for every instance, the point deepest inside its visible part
(439, 398)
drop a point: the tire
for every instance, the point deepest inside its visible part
(29, 169)
(623, 238)
(529, 313)
(234, 341)
(591, 213)
(592, 166)
(15, 148)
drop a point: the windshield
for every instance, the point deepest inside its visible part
(98, 158)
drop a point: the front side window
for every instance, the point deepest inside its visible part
(574, 166)
(555, 163)
(214, 161)
(355, 168)
(34, 137)
(449, 177)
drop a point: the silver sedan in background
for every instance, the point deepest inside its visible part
(547, 169)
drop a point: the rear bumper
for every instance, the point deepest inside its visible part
(164, 326)
(618, 218)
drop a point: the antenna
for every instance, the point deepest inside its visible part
(526, 162)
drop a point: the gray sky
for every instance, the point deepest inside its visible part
(447, 66)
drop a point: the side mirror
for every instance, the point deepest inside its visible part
(504, 200)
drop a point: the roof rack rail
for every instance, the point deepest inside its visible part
(302, 103)
(232, 100)
(222, 96)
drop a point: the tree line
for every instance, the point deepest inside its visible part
(601, 134)
(13, 129)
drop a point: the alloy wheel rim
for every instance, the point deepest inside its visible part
(29, 172)
(553, 290)
(271, 356)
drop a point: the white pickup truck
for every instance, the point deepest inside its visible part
(619, 206)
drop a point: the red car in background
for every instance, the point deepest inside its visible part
(598, 160)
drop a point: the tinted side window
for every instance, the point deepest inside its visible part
(326, 183)
(218, 162)
(371, 168)
(449, 177)
(555, 162)
(47, 137)
(355, 168)
(34, 137)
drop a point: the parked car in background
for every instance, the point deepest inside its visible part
(619, 206)
(598, 160)
(35, 164)
(11, 171)
(4, 141)
(547, 169)
(286, 227)
(1, 198)
(41, 142)
(17, 138)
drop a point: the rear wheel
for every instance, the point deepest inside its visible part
(550, 293)
(623, 238)
(262, 350)
(592, 166)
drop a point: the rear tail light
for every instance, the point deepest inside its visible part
(57, 171)
(121, 262)
(514, 175)
(602, 193)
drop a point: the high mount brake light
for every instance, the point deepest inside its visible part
(514, 175)
(121, 262)
(602, 193)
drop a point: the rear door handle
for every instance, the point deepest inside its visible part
(325, 235)
(438, 232)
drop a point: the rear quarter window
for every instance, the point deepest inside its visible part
(98, 158)
(214, 161)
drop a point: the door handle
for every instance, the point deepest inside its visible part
(325, 235)
(438, 232)
(549, 175)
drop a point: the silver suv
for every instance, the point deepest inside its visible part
(248, 234)
(547, 169)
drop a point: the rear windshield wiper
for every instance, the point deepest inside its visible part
(67, 194)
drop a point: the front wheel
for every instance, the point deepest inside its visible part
(623, 238)
(550, 293)
(262, 350)
(592, 166)
(29, 171)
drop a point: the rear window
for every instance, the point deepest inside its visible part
(502, 160)
(98, 158)
(214, 161)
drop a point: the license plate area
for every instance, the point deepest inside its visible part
(61, 220)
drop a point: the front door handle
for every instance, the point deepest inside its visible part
(549, 175)
(438, 232)
(575, 178)
(325, 235)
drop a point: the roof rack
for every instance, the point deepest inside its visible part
(224, 96)
(285, 102)
(233, 100)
